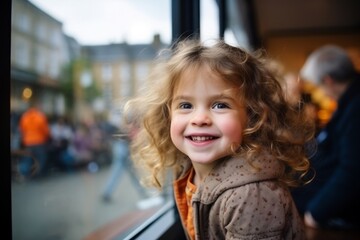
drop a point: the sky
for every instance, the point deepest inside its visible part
(94, 22)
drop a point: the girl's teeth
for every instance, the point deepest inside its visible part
(202, 138)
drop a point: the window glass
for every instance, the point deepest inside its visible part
(40, 31)
(21, 50)
(125, 78)
(55, 37)
(106, 72)
(40, 59)
(78, 62)
(142, 71)
(209, 24)
(23, 22)
(209, 20)
(54, 68)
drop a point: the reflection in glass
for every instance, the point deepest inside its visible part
(80, 89)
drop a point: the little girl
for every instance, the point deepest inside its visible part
(216, 115)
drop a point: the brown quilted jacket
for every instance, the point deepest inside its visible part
(237, 202)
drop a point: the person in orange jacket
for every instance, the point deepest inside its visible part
(35, 134)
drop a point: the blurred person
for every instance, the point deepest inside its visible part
(121, 160)
(216, 117)
(100, 144)
(331, 199)
(35, 133)
(81, 145)
(105, 132)
(61, 134)
(89, 145)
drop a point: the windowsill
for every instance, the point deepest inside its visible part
(152, 222)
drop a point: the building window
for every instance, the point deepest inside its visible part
(106, 73)
(40, 31)
(22, 53)
(41, 61)
(54, 69)
(142, 70)
(23, 22)
(125, 76)
(55, 37)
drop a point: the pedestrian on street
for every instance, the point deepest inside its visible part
(35, 133)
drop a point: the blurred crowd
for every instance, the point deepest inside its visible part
(41, 144)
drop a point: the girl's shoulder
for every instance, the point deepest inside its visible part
(258, 193)
(263, 205)
(265, 197)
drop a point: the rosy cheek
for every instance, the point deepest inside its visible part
(175, 129)
(233, 130)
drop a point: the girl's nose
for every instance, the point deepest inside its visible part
(201, 118)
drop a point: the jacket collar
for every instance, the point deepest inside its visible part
(235, 172)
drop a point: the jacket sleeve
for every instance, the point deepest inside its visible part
(261, 210)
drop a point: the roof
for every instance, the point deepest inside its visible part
(122, 52)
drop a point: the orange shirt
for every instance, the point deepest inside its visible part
(184, 190)
(34, 127)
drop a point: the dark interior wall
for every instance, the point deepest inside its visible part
(292, 50)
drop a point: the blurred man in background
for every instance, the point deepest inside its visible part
(331, 199)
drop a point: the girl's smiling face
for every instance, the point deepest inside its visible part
(207, 117)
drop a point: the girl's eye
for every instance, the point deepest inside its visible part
(185, 105)
(220, 105)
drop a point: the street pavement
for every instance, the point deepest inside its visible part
(67, 206)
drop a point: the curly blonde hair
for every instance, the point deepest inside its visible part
(273, 125)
